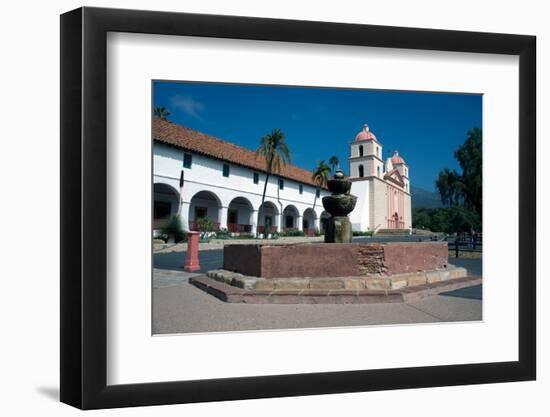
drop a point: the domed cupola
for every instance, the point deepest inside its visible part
(365, 134)
(396, 159)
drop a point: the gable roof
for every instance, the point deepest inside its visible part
(192, 140)
(395, 177)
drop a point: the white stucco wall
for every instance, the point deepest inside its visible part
(205, 174)
(378, 204)
(408, 210)
(359, 217)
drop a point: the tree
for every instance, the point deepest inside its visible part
(465, 188)
(469, 156)
(450, 187)
(449, 219)
(334, 162)
(274, 150)
(320, 177)
(161, 113)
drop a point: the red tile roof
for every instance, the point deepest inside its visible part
(192, 140)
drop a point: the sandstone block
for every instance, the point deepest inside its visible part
(378, 283)
(290, 284)
(433, 276)
(398, 282)
(416, 279)
(329, 284)
(354, 284)
(265, 284)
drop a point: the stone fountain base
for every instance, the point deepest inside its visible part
(339, 273)
(338, 230)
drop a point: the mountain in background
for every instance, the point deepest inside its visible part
(422, 198)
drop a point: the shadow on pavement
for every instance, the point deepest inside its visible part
(473, 293)
(174, 261)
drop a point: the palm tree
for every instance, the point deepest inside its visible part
(320, 177)
(274, 150)
(161, 113)
(334, 162)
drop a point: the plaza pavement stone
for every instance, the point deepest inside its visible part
(184, 308)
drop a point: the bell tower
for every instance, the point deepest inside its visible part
(366, 156)
(398, 163)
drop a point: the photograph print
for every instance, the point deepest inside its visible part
(295, 207)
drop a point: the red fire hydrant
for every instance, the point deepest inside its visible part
(192, 261)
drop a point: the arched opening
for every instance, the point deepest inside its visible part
(290, 218)
(378, 171)
(204, 205)
(360, 150)
(166, 202)
(324, 219)
(239, 214)
(361, 171)
(308, 222)
(268, 219)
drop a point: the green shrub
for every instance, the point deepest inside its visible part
(363, 233)
(223, 234)
(292, 232)
(204, 224)
(173, 229)
(247, 236)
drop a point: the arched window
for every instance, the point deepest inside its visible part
(377, 152)
(378, 170)
(361, 151)
(361, 171)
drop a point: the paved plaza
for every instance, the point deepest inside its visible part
(179, 307)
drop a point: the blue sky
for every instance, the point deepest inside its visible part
(426, 128)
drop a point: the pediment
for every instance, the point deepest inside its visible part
(395, 176)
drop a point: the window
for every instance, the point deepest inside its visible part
(301, 188)
(281, 184)
(360, 150)
(256, 178)
(361, 171)
(187, 160)
(377, 152)
(318, 193)
(225, 170)
(378, 170)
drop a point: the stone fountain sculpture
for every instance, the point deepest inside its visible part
(339, 205)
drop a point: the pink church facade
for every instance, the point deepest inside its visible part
(382, 187)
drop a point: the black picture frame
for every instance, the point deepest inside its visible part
(84, 207)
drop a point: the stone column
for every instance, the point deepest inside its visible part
(299, 222)
(317, 224)
(184, 215)
(222, 217)
(253, 221)
(278, 219)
